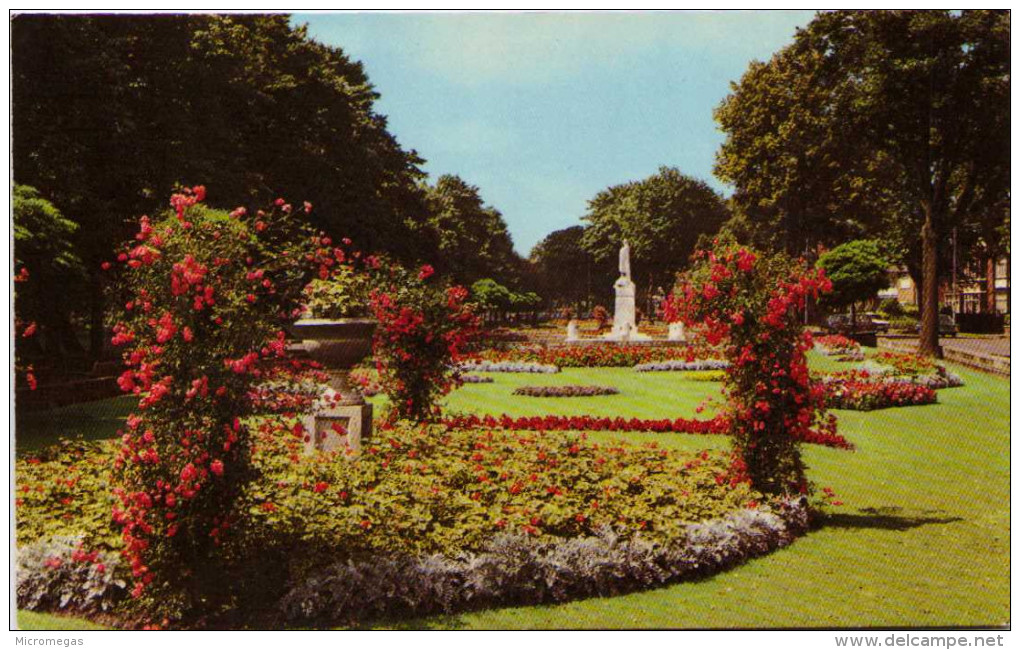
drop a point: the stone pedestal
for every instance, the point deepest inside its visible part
(341, 418)
(337, 427)
(676, 332)
(625, 314)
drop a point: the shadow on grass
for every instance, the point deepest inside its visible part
(881, 519)
(98, 420)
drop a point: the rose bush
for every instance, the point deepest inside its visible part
(425, 327)
(752, 305)
(204, 295)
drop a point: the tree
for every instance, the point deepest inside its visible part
(44, 253)
(906, 107)
(471, 237)
(111, 112)
(565, 271)
(857, 270)
(661, 216)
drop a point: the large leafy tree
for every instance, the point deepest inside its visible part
(566, 272)
(661, 217)
(472, 238)
(906, 109)
(110, 112)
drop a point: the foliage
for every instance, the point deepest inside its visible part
(593, 356)
(174, 98)
(424, 329)
(55, 574)
(867, 396)
(857, 270)
(883, 124)
(705, 375)
(517, 569)
(661, 217)
(601, 316)
(891, 307)
(484, 365)
(558, 261)
(44, 252)
(343, 295)
(676, 365)
(471, 237)
(716, 426)
(836, 345)
(566, 391)
(204, 296)
(753, 303)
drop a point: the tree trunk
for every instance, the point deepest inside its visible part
(928, 345)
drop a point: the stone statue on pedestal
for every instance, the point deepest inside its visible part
(625, 314)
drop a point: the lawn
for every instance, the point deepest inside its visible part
(923, 539)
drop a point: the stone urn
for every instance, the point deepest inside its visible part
(342, 419)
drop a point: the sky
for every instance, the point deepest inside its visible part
(541, 111)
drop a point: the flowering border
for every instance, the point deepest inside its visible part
(718, 425)
(516, 570)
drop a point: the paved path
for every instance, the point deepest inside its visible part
(997, 346)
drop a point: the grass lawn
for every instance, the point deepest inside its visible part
(923, 539)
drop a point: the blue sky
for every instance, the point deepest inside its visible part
(543, 110)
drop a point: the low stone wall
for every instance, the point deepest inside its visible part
(986, 362)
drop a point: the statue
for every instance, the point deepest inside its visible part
(625, 259)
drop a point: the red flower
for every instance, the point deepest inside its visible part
(216, 467)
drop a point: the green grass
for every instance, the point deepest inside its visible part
(38, 621)
(923, 539)
(86, 421)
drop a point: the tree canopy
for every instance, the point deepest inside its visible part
(565, 271)
(110, 112)
(857, 269)
(888, 124)
(661, 217)
(471, 237)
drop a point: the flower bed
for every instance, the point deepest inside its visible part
(837, 345)
(566, 391)
(716, 426)
(483, 365)
(594, 356)
(678, 365)
(871, 395)
(422, 496)
(475, 379)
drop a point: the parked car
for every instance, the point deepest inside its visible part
(842, 323)
(947, 326)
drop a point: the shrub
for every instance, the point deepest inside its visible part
(204, 296)
(754, 303)
(424, 329)
(57, 574)
(891, 307)
(565, 391)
